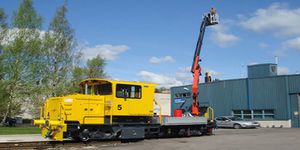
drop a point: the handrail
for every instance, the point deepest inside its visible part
(109, 103)
(210, 109)
(41, 113)
(111, 113)
(64, 112)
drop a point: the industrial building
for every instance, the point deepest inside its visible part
(265, 96)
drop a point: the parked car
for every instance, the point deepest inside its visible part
(235, 122)
(10, 122)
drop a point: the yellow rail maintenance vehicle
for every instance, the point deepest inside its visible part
(109, 109)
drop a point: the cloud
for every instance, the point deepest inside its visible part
(280, 20)
(277, 19)
(185, 76)
(163, 80)
(106, 51)
(279, 52)
(282, 70)
(212, 73)
(263, 45)
(157, 60)
(182, 76)
(221, 36)
(12, 34)
(292, 43)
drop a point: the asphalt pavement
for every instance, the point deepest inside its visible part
(225, 139)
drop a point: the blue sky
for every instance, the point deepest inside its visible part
(154, 41)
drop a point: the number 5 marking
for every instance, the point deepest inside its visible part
(119, 107)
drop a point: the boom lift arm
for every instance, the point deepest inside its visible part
(208, 20)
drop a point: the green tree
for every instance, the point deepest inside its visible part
(78, 74)
(3, 32)
(59, 43)
(19, 56)
(36, 65)
(26, 16)
(95, 68)
(3, 26)
(161, 90)
(3, 94)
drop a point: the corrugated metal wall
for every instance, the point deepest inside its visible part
(294, 83)
(227, 95)
(270, 93)
(224, 95)
(262, 70)
(250, 93)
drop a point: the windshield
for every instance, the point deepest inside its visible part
(235, 118)
(96, 88)
(103, 89)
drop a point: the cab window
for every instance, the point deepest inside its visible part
(103, 89)
(86, 89)
(89, 89)
(128, 91)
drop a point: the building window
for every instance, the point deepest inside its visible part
(237, 113)
(183, 95)
(273, 69)
(247, 114)
(268, 114)
(256, 114)
(129, 91)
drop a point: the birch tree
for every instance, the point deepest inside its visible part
(59, 45)
(3, 94)
(19, 54)
(95, 68)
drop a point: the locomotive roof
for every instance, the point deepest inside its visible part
(116, 81)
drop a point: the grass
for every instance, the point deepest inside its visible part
(19, 130)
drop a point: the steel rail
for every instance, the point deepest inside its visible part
(53, 144)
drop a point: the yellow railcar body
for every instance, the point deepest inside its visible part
(99, 98)
(131, 105)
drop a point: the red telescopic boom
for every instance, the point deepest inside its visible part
(208, 20)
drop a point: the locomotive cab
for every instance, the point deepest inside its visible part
(122, 98)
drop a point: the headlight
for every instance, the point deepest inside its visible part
(70, 100)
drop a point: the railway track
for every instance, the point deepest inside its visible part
(52, 144)
(73, 144)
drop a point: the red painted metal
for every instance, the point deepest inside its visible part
(195, 86)
(208, 20)
(178, 113)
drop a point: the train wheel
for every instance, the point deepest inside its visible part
(85, 138)
(188, 132)
(84, 135)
